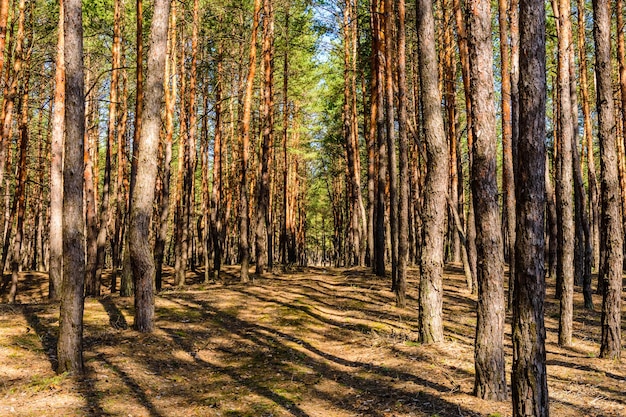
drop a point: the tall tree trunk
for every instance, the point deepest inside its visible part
(128, 280)
(56, 167)
(106, 182)
(244, 218)
(170, 101)
(92, 286)
(529, 385)
(121, 179)
(378, 51)
(403, 217)
(391, 139)
(465, 73)
(284, 237)
(436, 185)
(142, 196)
(70, 347)
(20, 189)
(611, 226)
(564, 190)
(584, 250)
(449, 98)
(490, 380)
(11, 93)
(267, 126)
(218, 152)
(508, 182)
(588, 135)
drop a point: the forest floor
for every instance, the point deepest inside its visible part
(312, 342)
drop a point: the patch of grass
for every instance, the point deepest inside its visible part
(28, 341)
(39, 383)
(495, 415)
(412, 343)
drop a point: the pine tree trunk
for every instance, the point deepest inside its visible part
(20, 189)
(170, 101)
(490, 380)
(564, 190)
(69, 347)
(529, 386)
(588, 137)
(55, 234)
(403, 217)
(142, 196)
(112, 123)
(391, 139)
(381, 154)
(92, 287)
(611, 226)
(436, 184)
(508, 182)
(217, 192)
(267, 126)
(244, 218)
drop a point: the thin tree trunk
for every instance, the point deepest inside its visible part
(128, 280)
(92, 287)
(403, 218)
(55, 235)
(267, 126)
(69, 347)
(170, 101)
(490, 382)
(564, 190)
(218, 151)
(508, 182)
(142, 196)
(20, 190)
(244, 218)
(611, 226)
(391, 140)
(378, 48)
(106, 183)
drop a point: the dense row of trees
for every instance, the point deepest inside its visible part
(201, 132)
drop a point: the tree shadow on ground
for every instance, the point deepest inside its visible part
(116, 316)
(49, 339)
(366, 378)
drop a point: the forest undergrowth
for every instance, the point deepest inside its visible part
(312, 342)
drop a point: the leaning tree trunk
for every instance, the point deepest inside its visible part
(142, 197)
(529, 386)
(70, 346)
(490, 382)
(436, 185)
(611, 225)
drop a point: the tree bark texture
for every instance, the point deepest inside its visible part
(56, 167)
(529, 386)
(436, 184)
(142, 196)
(611, 224)
(69, 348)
(490, 380)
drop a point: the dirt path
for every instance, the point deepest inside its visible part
(319, 342)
